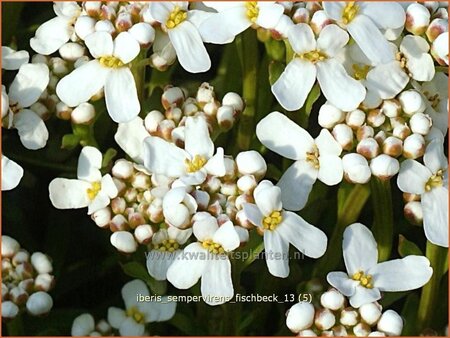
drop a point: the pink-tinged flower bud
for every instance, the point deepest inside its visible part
(247, 183)
(63, 111)
(332, 299)
(233, 100)
(190, 107)
(401, 131)
(18, 295)
(349, 317)
(84, 26)
(135, 219)
(439, 49)
(412, 102)
(329, 116)
(361, 330)
(375, 118)
(384, 166)
(9, 310)
(301, 15)
(205, 94)
(105, 26)
(340, 331)
(229, 189)
(202, 198)
(313, 6)
(407, 197)
(20, 257)
(123, 22)
(413, 212)
(319, 20)
(356, 168)
(420, 123)
(102, 217)
(39, 303)
(230, 169)
(92, 8)
(122, 169)
(165, 129)
(414, 146)
(377, 334)
(141, 181)
(390, 323)
(242, 220)
(441, 13)
(368, 148)
(72, 51)
(391, 108)
(9, 246)
(143, 33)
(41, 262)
(152, 121)
(225, 117)
(83, 114)
(143, 233)
(324, 319)
(118, 205)
(364, 132)
(123, 241)
(58, 66)
(251, 163)
(393, 146)
(212, 184)
(118, 223)
(210, 108)
(174, 113)
(172, 96)
(343, 134)
(300, 317)
(370, 313)
(417, 19)
(44, 282)
(380, 137)
(355, 118)
(83, 324)
(155, 211)
(215, 208)
(436, 28)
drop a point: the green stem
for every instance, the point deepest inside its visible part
(138, 71)
(249, 45)
(430, 292)
(15, 326)
(383, 219)
(348, 212)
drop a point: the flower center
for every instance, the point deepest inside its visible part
(252, 10)
(195, 164)
(312, 158)
(94, 190)
(349, 12)
(111, 62)
(134, 313)
(176, 17)
(364, 280)
(167, 245)
(360, 72)
(272, 221)
(437, 180)
(212, 247)
(313, 56)
(434, 100)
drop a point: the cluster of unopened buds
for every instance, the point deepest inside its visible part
(26, 280)
(335, 318)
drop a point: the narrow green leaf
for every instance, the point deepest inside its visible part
(406, 248)
(70, 141)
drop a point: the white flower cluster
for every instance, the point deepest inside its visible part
(131, 321)
(26, 280)
(334, 318)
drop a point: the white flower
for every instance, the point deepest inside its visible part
(39, 303)
(235, 17)
(166, 247)
(12, 173)
(314, 159)
(12, 60)
(51, 35)
(132, 321)
(83, 325)
(317, 59)
(207, 259)
(178, 207)
(91, 189)
(178, 22)
(130, 137)
(110, 70)
(363, 20)
(365, 278)
(191, 164)
(430, 181)
(281, 228)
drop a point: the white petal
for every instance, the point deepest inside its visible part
(440, 47)
(11, 174)
(359, 248)
(126, 47)
(301, 38)
(205, 227)
(83, 83)
(29, 83)
(419, 63)
(69, 194)
(308, 239)
(253, 213)
(12, 60)
(384, 15)
(188, 44)
(158, 262)
(51, 35)
(216, 164)
(227, 236)
(435, 215)
(130, 328)
(331, 170)
(332, 40)
(83, 325)
(109, 188)
(217, 286)
(296, 184)
(158, 311)
(160, 10)
(342, 282)
(188, 267)
(162, 157)
(32, 130)
(131, 290)
(283, 136)
(434, 157)
(404, 274)
(121, 95)
(387, 80)
(412, 177)
(294, 84)
(370, 40)
(269, 14)
(233, 22)
(197, 140)
(89, 164)
(276, 253)
(130, 137)
(194, 178)
(268, 199)
(100, 201)
(99, 44)
(116, 317)
(363, 296)
(327, 145)
(339, 88)
(5, 102)
(334, 9)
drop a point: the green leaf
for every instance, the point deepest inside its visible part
(409, 313)
(184, 324)
(137, 270)
(70, 141)
(275, 49)
(108, 157)
(406, 248)
(313, 95)
(275, 70)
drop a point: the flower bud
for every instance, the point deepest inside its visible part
(141, 181)
(103, 327)
(58, 66)
(340, 331)
(229, 189)
(71, 51)
(20, 257)
(391, 108)
(80, 62)
(370, 313)
(84, 324)
(135, 218)
(307, 333)
(43, 282)
(38, 58)
(376, 334)
(123, 22)
(155, 211)
(436, 28)
(420, 123)
(9, 310)
(390, 323)
(375, 118)
(318, 21)
(9, 246)
(355, 118)
(118, 223)
(190, 107)
(39, 303)
(123, 241)
(165, 129)
(233, 100)
(414, 146)
(349, 317)
(41, 263)
(63, 111)
(393, 146)
(380, 137)
(92, 8)
(84, 26)
(246, 183)
(364, 132)
(361, 330)
(202, 199)
(143, 233)
(205, 94)
(329, 116)
(143, 33)
(242, 220)
(122, 169)
(356, 168)
(152, 121)
(105, 26)
(439, 49)
(251, 163)
(412, 102)
(41, 110)
(83, 114)
(210, 108)
(324, 319)
(343, 134)
(300, 317)
(172, 96)
(301, 15)
(25, 270)
(413, 212)
(102, 217)
(18, 295)
(384, 166)
(401, 131)
(225, 117)
(368, 148)
(417, 19)
(332, 299)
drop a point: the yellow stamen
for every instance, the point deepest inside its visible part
(364, 280)
(176, 17)
(195, 164)
(111, 62)
(134, 313)
(313, 56)
(212, 247)
(313, 158)
(169, 245)
(94, 190)
(437, 180)
(360, 72)
(252, 10)
(434, 100)
(272, 221)
(349, 12)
